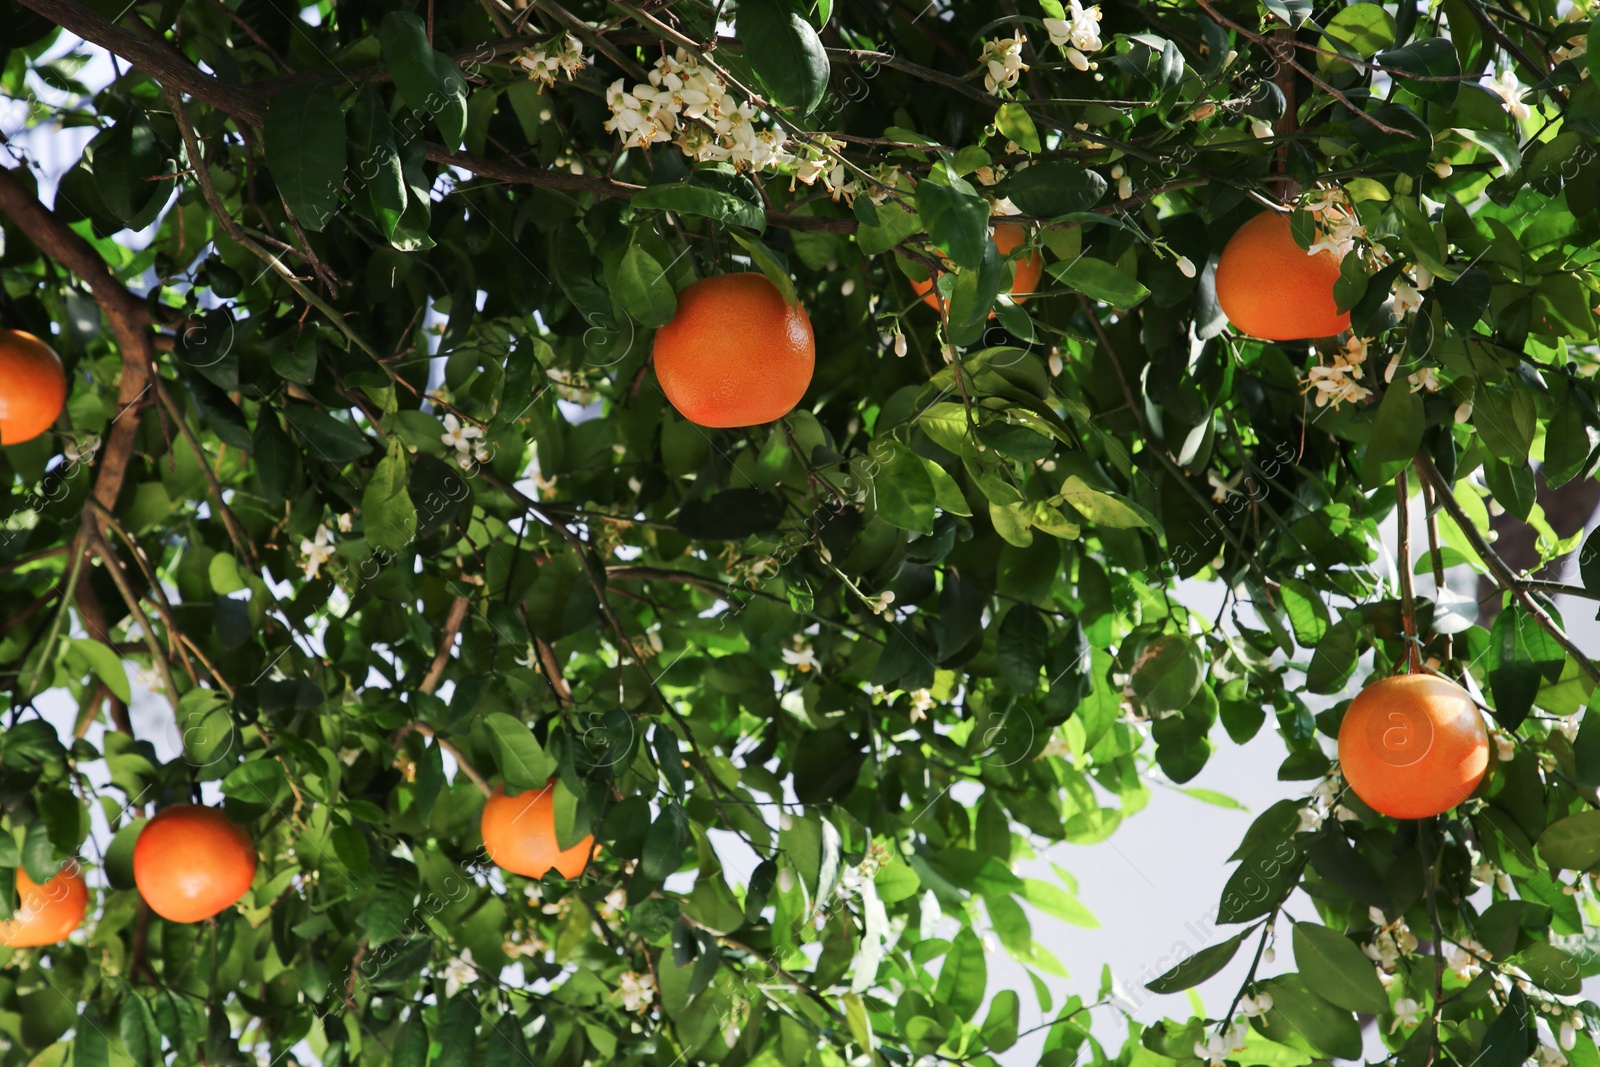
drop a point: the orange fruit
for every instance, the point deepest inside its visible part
(736, 353)
(1413, 745)
(192, 862)
(33, 387)
(1270, 287)
(1024, 277)
(48, 912)
(519, 833)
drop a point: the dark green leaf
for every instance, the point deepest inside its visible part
(1024, 640)
(1198, 967)
(428, 81)
(523, 763)
(388, 518)
(305, 137)
(956, 217)
(785, 51)
(1047, 190)
(1099, 280)
(1340, 972)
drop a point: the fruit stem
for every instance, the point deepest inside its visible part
(1408, 600)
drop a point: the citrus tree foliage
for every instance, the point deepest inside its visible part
(364, 470)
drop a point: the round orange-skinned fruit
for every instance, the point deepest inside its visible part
(1413, 746)
(33, 387)
(1024, 277)
(736, 353)
(47, 913)
(1270, 287)
(192, 862)
(519, 833)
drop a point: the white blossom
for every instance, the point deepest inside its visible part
(1407, 1013)
(1078, 34)
(317, 550)
(458, 972)
(1465, 960)
(922, 702)
(1186, 267)
(1255, 1006)
(1426, 378)
(800, 657)
(638, 991)
(1002, 63)
(545, 66)
(1511, 92)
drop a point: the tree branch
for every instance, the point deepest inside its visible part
(1502, 574)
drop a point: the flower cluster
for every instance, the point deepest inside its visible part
(690, 105)
(1077, 35)
(1002, 63)
(801, 657)
(1324, 802)
(1226, 1044)
(638, 991)
(466, 439)
(1465, 958)
(818, 160)
(1341, 381)
(1392, 940)
(545, 66)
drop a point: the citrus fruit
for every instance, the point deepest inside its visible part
(1024, 276)
(1270, 287)
(736, 353)
(33, 387)
(191, 862)
(519, 833)
(47, 913)
(1413, 745)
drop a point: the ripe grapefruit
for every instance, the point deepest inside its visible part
(1024, 278)
(49, 912)
(519, 833)
(1270, 287)
(33, 387)
(1413, 745)
(191, 862)
(736, 353)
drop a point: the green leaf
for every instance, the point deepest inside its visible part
(1573, 842)
(1396, 433)
(39, 856)
(378, 160)
(785, 51)
(643, 286)
(1014, 121)
(1568, 442)
(91, 1046)
(523, 763)
(956, 217)
(1334, 659)
(1433, 67)
(255, 782)
(428, 81)
(663, 843)
(305, 138)
(769, 264)
(136, 1026)
(721, 204)
(1103, 508)
(1340, 972)
(1300, 1018)
(1024, 642)
(1360, 30)
(106, 665)
(1197, 968)
(1167, 673)
(1099, 280)
(1053, 900)
(411, 1044)
(388, 517)
(1510, 1038)
(457, 1032)
(1308, 615)
(1000, 1025)
(1263, 880)
(326, 437)
(1505, 417)
(1049, 190)
(902, 488)
(1408, 148)
(963, 976)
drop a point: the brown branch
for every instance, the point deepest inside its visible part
(1408, 599)
(1502, 574)
(461, 761)
(447, 641)
(119, 576)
